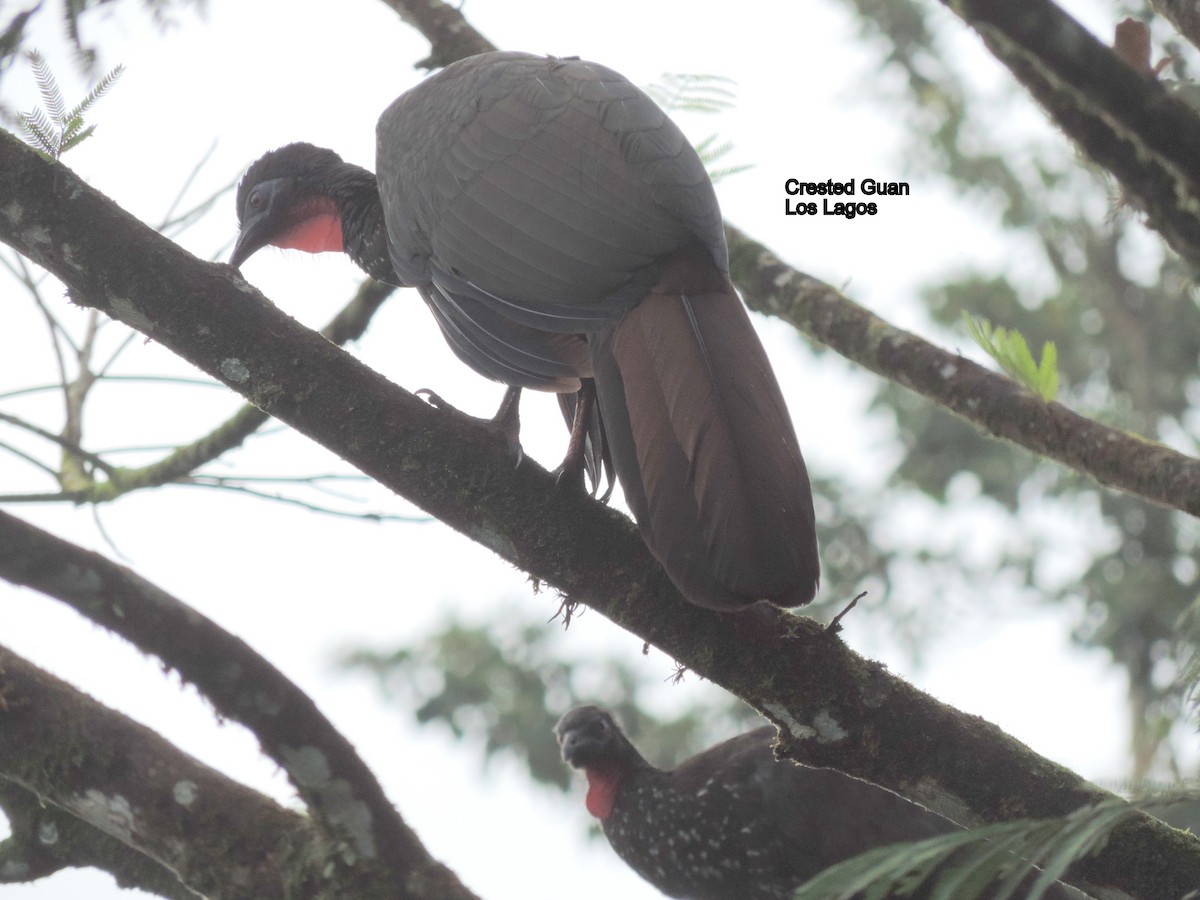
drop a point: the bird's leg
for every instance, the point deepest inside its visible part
(507, 421)
(570, 470)
(505, 424)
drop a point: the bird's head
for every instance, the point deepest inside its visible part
(588, 736)
(288, 198)
(590, 739)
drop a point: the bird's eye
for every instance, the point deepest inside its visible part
(256, 200)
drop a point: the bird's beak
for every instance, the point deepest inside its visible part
(572, 745)
(261, 223)
(250, 240)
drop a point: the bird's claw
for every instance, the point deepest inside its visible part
(505, 425)
(435, 400)
(568, 477)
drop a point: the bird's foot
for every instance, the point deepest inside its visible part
(505, 425)
(570, 472)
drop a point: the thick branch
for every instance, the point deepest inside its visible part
(450, 36)
(137, 791)
(1124, 119)
(46, 839)
(838, 709)
(340, 791)
(1183, 14)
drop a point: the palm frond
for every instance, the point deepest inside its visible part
(1004, 861)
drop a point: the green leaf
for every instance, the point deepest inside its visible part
(71, 127)
(1011, 351)
(1048, 372)
(75, 140)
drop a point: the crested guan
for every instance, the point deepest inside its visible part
(732, 823)
(561, 228)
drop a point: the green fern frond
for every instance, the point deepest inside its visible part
(1011, 351)
(696, 105)
(710, 152)
(38, 132)
(996, 861)
(710, 149)
(76, 139)
(102, 87)
(37, 121)
(717, 174)
(70, 129)
(52, 98)
(52, 129)
(703, 94)
(694, 93)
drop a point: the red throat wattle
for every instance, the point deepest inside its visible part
(602, 791)
(318, 231)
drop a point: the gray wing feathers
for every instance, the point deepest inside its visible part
(507, 351)
(497, 175)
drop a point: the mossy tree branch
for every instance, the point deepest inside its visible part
(1184, 15)
(84, 785)
(89, 760)
(1121, 116)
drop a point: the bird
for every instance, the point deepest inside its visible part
(732, 822)
(567, 238)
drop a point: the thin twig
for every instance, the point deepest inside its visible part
(57, 332)
(65, 444)
(148, 379)
(33, 461)
(295, 501)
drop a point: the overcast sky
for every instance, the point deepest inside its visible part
(300, 587)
